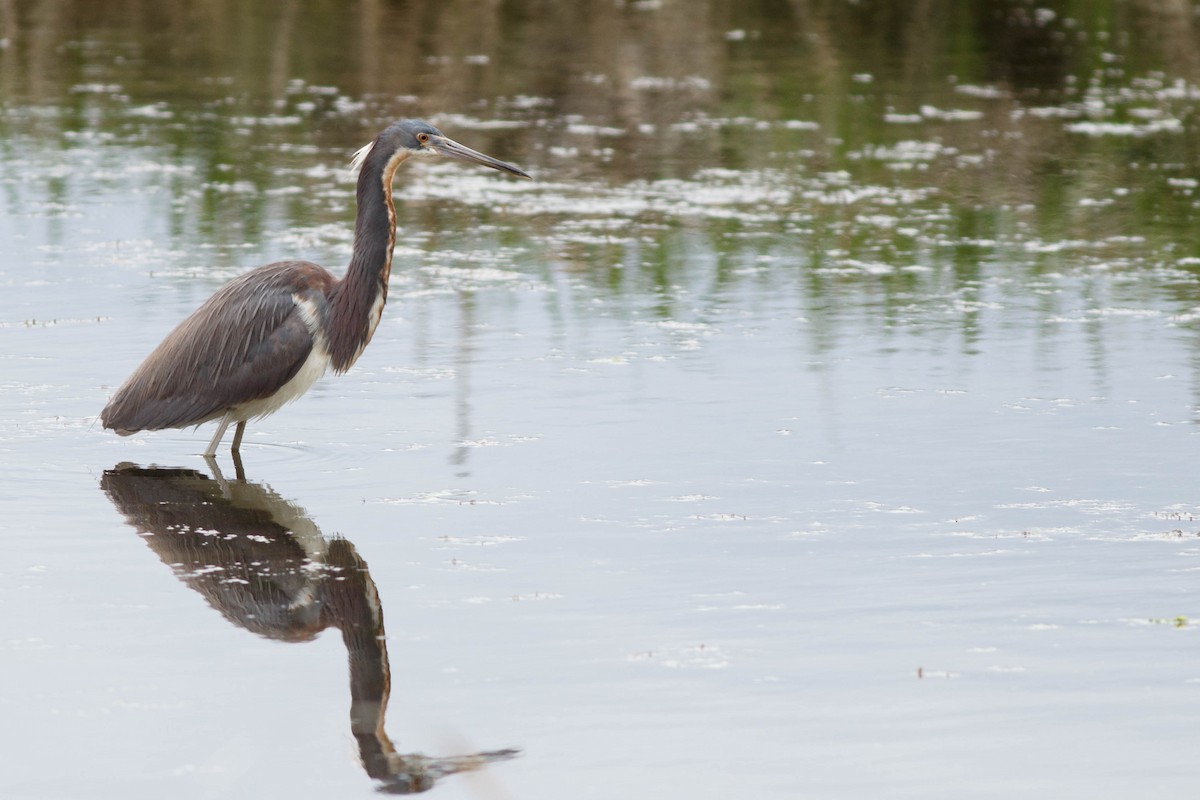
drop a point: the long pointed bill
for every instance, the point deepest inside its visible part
(451, 148)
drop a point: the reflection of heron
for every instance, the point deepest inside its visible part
(266, 567)
(265, 337)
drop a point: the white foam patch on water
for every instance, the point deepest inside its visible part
(492, 441)
(951, 115)
(886, 509)
(474, 274)
(425, 373)
(1132, 129)
(984, 92)
(467, 122)
(477, 541)
(692, 83)
(675, 657)
(455, 497)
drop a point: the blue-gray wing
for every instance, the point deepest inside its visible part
(243, 344)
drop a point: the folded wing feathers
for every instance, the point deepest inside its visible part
(244, 343)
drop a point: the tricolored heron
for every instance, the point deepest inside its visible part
(265, 337)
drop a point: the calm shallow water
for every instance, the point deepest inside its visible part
(820, 422)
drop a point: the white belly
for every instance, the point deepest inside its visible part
(313, 368)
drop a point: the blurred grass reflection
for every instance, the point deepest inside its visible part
(865, 141)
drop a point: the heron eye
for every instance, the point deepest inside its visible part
(423, 138)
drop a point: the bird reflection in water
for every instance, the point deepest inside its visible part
(262, 563)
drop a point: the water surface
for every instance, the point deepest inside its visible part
(819, 422)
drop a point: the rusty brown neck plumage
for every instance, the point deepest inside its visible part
(356, 301)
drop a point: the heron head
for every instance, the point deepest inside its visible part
(417, 137)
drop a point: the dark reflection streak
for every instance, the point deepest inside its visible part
(370, 18)
(8, 50)
(47, 20)
(266, 567)
(1095, 337)
(462, 383)
(282, 50)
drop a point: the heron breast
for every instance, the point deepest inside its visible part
(314, 366)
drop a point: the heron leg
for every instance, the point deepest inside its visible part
(216, 440)
(237, 436)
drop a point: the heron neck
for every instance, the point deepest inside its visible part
(358, 303)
